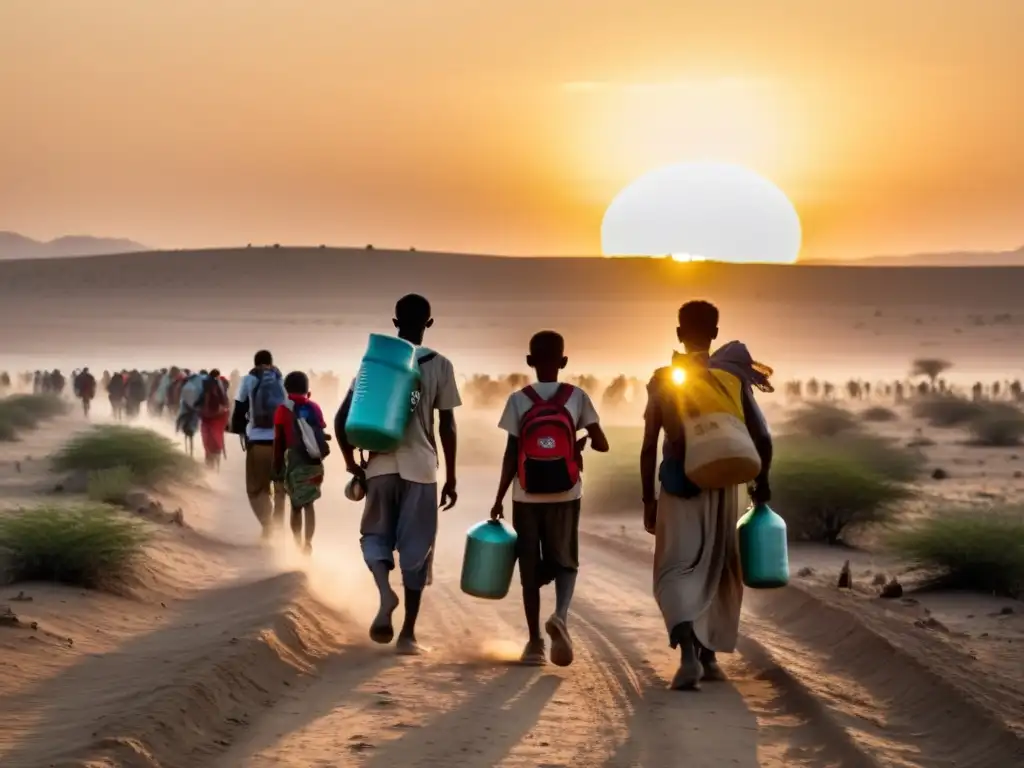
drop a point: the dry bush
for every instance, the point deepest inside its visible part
(86, 546)
(822, 420)
(151, 458)
(946, 410)
(879, 414)
(980, 550)
(110, 486)
(822, 491)
(997, 425)
(21, 412)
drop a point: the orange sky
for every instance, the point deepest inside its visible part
(505, 127)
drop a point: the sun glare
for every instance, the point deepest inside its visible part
(678, 375)
(721, 211)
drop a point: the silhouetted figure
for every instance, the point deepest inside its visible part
(115, 393)
(135, 394)
(85, 389)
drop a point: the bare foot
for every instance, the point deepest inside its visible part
(688, 676)
(712, 670)
(382, 630)
(407, 646)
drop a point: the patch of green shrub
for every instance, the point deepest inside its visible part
(946, 410)
(823, 490)
(110, 486)
(878, 414)
(822, 420)
(997, 425)
(151, 458)
(89, 546)
(21, 412)
(976, 549)
(883, 456)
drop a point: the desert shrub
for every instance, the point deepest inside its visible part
(821, 420)
(879, 414)
(151, 458)
(110, 486)
(946, 410)
(20, 412)
(981, 550)
(997, 425)
(88, 546)
(883, 456)
(823, 489)
(41, 406)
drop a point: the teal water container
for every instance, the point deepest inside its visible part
(489, 560)
(764, 552)
(382, 396)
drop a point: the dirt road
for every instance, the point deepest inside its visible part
(275, 671)
(839, 697)
(468, 704)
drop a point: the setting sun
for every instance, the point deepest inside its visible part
(703, 212)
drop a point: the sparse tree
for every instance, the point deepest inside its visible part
(931, 367)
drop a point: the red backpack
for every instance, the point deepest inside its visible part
(547, 444)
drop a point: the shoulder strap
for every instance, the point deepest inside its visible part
(562, 395)
(531, 393)
(716, 383)
(426, 358)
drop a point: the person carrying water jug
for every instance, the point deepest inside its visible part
(259, 395)
(401, 504)
(716, 439)
(543, 465)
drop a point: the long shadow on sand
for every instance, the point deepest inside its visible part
(692, 729)
(492, 717)
(174, 692)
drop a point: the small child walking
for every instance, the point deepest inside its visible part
(300, 446)
(544, 460)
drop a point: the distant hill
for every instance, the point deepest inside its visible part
(955, 259)
(15, 246)
(315, 306)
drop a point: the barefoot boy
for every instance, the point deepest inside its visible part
(303, 473)
(401, 506)
(544, 459)
(697, 578)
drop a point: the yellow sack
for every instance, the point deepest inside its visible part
(709, 418)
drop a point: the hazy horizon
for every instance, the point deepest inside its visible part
(497, 129)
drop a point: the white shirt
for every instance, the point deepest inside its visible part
(415, 459)
(256, 434)
(583, 413)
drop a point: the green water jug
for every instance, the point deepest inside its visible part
(489, 560)
(764, 553)
(382, 395)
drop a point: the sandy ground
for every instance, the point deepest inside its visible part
(230, 656)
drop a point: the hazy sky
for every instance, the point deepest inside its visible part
(505, 127)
